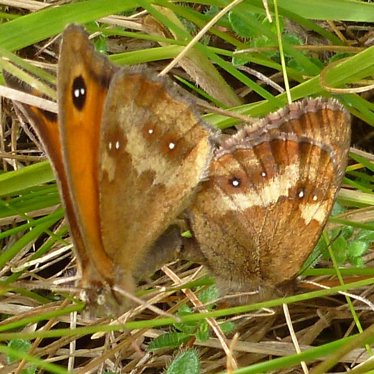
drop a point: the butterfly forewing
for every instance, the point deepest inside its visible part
(46, 126)
(83, 81)
(129, 152)
(155, 150)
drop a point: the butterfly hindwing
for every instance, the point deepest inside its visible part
(269, 195)
(154, 152)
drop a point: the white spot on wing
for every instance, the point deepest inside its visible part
(235, 182)
(269, 194)
(165, 170)
(79, 92)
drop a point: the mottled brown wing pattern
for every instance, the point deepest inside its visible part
(129, 152)
(154, 152)
(269, 195)
(323, 120)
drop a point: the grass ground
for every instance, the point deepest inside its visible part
(327, 47)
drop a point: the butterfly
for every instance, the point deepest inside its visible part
(128, 151)
(270, 190)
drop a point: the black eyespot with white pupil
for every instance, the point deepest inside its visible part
(79, 92)
(235, 182)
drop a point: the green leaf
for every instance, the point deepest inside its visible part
(186, 327)
(227, 327)
(243, 27)
(208, 295)
(357, 248)
(169, 340)
(367, 235)
(19, 345)
(185, 363)
(34, 27)
(30, 176)
(339, 247)
(202, 334)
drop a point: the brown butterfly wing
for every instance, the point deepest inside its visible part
(321, 119)
(46, 126)
(267, 200)
(83, 81)
(155, 150)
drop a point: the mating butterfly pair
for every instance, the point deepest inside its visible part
(130, 155)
